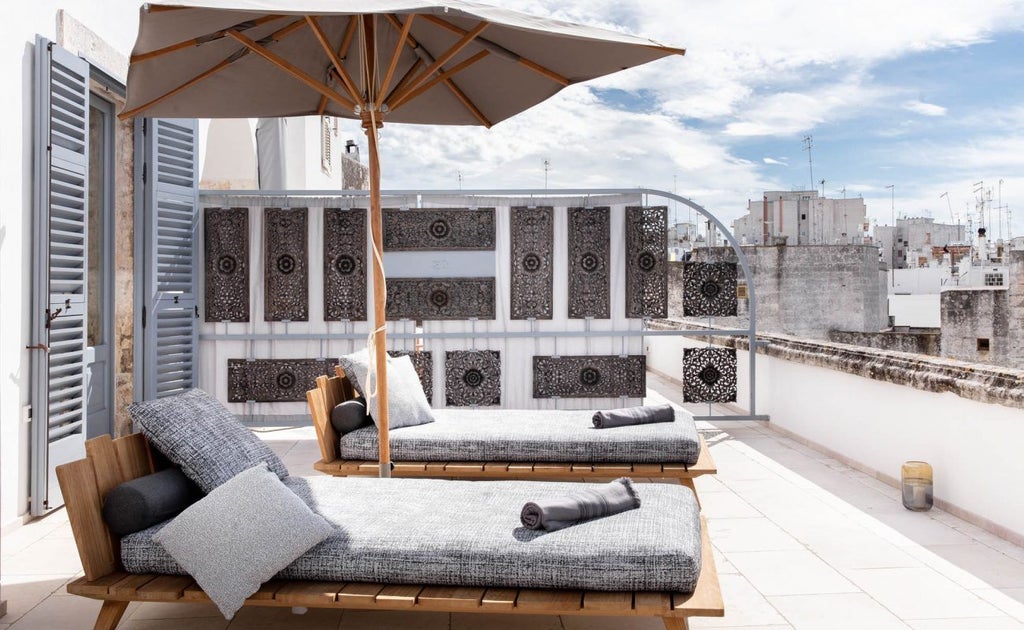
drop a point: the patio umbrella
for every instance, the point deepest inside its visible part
(410, 61)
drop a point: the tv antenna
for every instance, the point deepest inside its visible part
(547, 167)
(808, 143)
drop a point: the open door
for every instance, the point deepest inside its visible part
(59, 272)
(170, 312)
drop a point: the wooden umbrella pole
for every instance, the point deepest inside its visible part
(379, 296)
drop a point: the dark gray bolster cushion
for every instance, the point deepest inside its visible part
(349, 416)
(143, 502)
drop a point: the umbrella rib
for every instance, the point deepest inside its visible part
(202, 39)
(335, 60)
(402, 37)
(291, 69)
(501, 51)
(440, 61)
(405, 79)
(408, 96)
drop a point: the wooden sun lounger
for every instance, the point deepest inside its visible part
(336, 389)
(108, 463)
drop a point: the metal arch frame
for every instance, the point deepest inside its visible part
(750, 332)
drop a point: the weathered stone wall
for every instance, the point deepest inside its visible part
(915, 342)
(803, 290)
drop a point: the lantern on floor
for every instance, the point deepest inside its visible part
(917, 486)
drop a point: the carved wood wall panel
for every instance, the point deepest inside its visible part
(226, 247)
(709, 375)
(472, 377)
(440, 298)
(599, 376)
(438, 229)
(647, 262)
(344, 264)
(709, 289)
(286, 265)
(589, 263)
(532, 262)
(275, 380)
(423, 361)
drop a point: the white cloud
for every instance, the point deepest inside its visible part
(925, 109)
(768, 160)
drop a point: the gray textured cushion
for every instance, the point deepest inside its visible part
(196, 432)
(513, 435)
(145, 501)
(407, 404)
(431, 531)
(350, 415)
(240, 535)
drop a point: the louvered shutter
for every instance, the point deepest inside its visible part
(61, 122)
(171, 200)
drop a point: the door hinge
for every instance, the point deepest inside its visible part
(145, 125)
(143, 316)
(197, 310)
(144, 165)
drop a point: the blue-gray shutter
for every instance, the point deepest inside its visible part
(170, 193)
(60, 270)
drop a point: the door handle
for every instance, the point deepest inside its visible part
(39, 346)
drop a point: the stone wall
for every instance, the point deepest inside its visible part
(915, 342)
(804, 290)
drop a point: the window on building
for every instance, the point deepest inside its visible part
(325, 144)
(983, 344)
(993, 279)
(803, 217)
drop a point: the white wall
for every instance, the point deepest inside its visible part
(973, 447)
(922, 311)
(116, 22)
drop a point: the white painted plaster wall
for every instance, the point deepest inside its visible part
(974, 447)
(921, 311)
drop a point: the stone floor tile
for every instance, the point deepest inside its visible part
(749, 534)
(572, 622)
(789, 572)
(262, 618)
(726, 505)
(1002, 600)
(981, 623)
(845, 611)
(988, 565)
(180, 610)
(393, 620)
(744, 606)
(1015, 593)
(920, 593)
(65, 613)
(863, 554)
(205, 623)
(47, 556)
(491, 621)
(25, 592)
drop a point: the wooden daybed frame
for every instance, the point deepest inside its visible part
(336, 389)
(86, 482)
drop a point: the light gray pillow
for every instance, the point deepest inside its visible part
(242, 534)
(407, 404)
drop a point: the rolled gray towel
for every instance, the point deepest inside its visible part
(647, 414)
(595, 501)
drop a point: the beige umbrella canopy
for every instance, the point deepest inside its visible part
(448, 63)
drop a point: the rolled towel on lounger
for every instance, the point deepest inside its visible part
(556, 513)
(634, 415)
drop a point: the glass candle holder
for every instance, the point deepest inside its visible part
(917, 486)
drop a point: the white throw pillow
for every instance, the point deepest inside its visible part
(242, 534)
(407, 404)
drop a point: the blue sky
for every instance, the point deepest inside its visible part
(926, 96)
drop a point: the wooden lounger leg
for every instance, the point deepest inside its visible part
(675, 623)
(110, 615)
(688, 482)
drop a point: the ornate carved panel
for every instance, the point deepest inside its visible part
(589, 263)
(424, 364)
(647, 262)
(532, 254)
(286, 265)
(438, 228)
(440, 298)
(275, 380)
(472, 377)
(709, 289)
(600, 376)
(344, 264)
(709, 375)
(226, 235)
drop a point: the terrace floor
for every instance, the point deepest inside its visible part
(802, 541)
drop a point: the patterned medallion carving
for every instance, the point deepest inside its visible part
(709, 289)
(344, 264)
(423, 361)
(532, 254)
(472, 377)
(589, 263)
(440, 298)
(599, 376)
(438, 228)
(647, 262)
(226, 234)
(285, 265)
(275, 380)
(709, 375)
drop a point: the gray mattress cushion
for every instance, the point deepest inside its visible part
(431, 531)
(513, 435)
